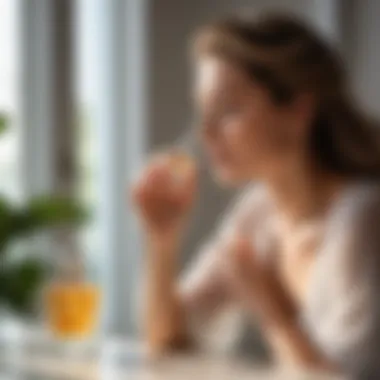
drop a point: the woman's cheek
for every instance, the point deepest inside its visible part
(234, 135)
(239, 138)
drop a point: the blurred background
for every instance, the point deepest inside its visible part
(88, 88)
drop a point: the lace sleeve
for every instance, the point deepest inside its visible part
(344, 312)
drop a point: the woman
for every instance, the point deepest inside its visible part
(300, 250)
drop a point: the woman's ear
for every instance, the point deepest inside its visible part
(302, 112)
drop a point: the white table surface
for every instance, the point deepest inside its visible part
(36, 356)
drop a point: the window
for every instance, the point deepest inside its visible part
(108, 40)
(85, 109)
(9, 98)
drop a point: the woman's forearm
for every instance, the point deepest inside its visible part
(265, 296)
(165, 327)
(291, 346)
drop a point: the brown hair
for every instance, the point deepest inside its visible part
(288, 58)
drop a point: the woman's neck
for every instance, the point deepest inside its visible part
(303, 191)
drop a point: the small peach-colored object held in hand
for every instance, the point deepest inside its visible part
(72, 309)
(182, 164)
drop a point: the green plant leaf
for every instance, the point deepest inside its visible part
(53, 211)
(5, 223)
(39, 214)
(3, 123)
(21, 283)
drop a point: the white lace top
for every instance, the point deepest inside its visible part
(341, 313)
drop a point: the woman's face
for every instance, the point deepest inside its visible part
(245, 135)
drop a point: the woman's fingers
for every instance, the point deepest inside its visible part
(157, 178)
(237, 256)
(246, 273)
(162, 198)
(241, 256)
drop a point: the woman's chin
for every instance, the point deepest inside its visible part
(228, 178)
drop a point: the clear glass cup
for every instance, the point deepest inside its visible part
(71, 302)
(72, 309)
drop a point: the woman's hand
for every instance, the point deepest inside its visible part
(256, 285)
(164, 199)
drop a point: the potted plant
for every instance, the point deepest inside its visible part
(21, 278)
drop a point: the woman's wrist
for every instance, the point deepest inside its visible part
(279, 309)
(163, 255)
(280, 321)
(165, 237)
(164, 244)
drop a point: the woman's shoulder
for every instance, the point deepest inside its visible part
(353, 229)
(342, 310)
(350, 249)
